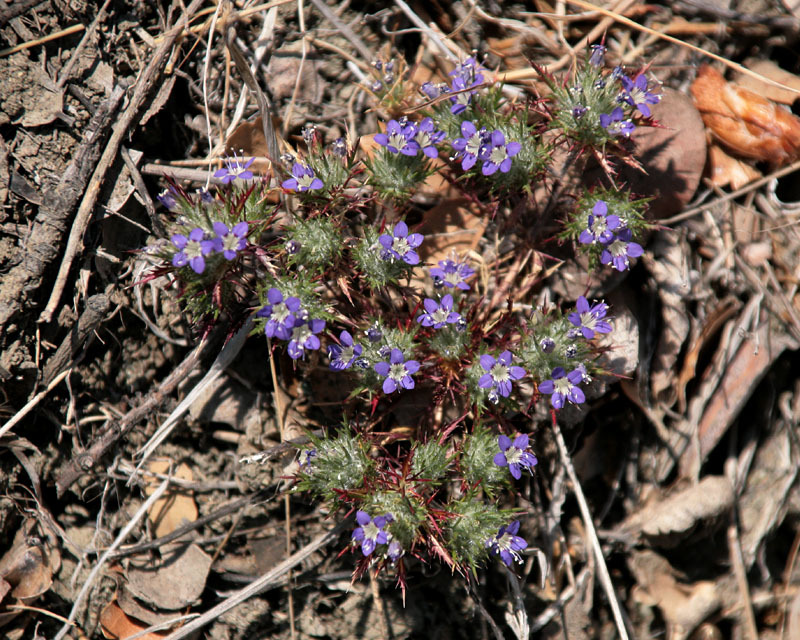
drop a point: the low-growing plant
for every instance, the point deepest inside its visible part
(340, 278)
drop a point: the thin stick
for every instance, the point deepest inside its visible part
(76, 53)
(605, 578)
(33, 402)
(145, 82)
(425, 28)
(346, 31)
(734, 194)
(257, 586)
(225, 357)
(48, 38)
(101, 562)
(301, 19)
(635, 25)
(735, 551)
(286, 506)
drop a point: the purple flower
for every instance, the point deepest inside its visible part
(598, 55)
(470, 145)
(395, 551)
(600, 225)
(401, 245)
(399, 138)
(637, 95)
(514, 455)
(168, 198)
(620, 249)
(433, 91)
(282, 314)
(499, 154)
(507, 544)
(229, 241)
(370, 533)
(452, 274)
(234, 169)
(342, 356)
(465, 76)
(339, 147)
(616, 123)
(303, 337)
(563, 387)
(438, 314)
(427, 137)
(305, 458)
(589, 319)
(397, 372)
(192, 250)
(303, 179)
(499, 374)
(374, 333)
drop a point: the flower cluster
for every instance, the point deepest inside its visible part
(616, 240)
(287, 320)
(409, 139)
(489, 147)
(452, 273)
(199, 244)
(499, 375)
(303, 179)
(465, 77)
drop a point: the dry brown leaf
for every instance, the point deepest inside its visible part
(770, 70)
(744, 121)
(177, 507)
(667, 262)
(724, 169)
(116, 625)
(763, 503)
(669, 521)
(684, 606)
(453, 225)
(26, 571)
(176, 583)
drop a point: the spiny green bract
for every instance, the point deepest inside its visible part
(377, 351)
(409, 514)
(372, 266)
(578, 105)
(449, 342)
(397, 176)
(555, 326)
(471, 524)
(477, 461)
(317, 244)
(341, 463)
(430, 461)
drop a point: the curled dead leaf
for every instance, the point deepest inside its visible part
(726, 170)
(116, 624)
(25, 571)
(769, 69)
(744, 121)
(177, 507)
(669, 521)
(684, 606)
(176, 582)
